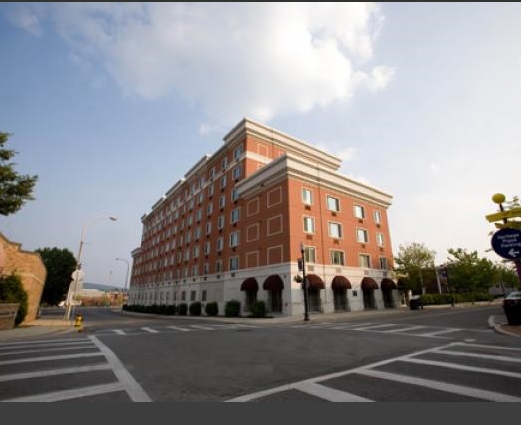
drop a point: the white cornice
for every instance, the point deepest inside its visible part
(299, 168)
(286, 142)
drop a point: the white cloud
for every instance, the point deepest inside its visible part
(26, 19)
(233, 59)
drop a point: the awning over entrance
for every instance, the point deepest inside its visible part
(388, 284)
(273, 283)
(368, 283)
(315, 282)
(250, 284)
(340, 282)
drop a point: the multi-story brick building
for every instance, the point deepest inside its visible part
(236, 225)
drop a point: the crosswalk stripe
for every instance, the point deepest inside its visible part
(150, 330)
(442, 386)
(119, 331)
(179, 328)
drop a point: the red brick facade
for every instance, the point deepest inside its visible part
(29, 266)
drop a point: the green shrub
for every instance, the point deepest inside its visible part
(195, 308)
(232, 308)
(170, 310)
(211, 309)
(258, 309)
(182, 309)
(12, 291)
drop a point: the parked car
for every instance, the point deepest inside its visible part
(512, 308)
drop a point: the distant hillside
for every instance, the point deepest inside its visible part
(100, 287)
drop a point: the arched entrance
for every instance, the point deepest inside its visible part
(250, 287)
(340, 285)
(388, 286)
(315, 285)
(368, 287)
(274, 285)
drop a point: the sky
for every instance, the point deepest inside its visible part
(110, 104)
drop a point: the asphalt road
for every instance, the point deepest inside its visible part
(448, 354)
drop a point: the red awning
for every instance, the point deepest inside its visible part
(368, 283)
(315, 282)
(250, 284)
(273, 283)
(340, 282)
(388, 284)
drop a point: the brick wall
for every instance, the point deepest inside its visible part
(29, 266)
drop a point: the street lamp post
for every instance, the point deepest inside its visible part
(304, 284)
(74, 284)
(126, 278)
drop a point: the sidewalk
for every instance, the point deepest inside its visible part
(43, 327)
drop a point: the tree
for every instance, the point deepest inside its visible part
(12, 291)
(15, 189)
(413, 261)
(60, 263)
(469, 273)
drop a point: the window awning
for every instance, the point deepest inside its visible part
(250, 284)
(388, 284)
(273, 283)
(315, 282)
(340, 282)
(368, 283)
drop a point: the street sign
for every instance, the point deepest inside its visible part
(512, 212)
(507, 243)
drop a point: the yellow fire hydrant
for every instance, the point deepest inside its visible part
(78, 321)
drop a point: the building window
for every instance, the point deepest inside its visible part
(200, 197)
(380, 239)
(234, 194)
(222, 201)
(219, 266)
(223, 181)
(364, 261)
(198, 214)
(210, 190)
(196, 251)
(361, 235)
(309, 254)
(335, 230)
(220, 243)
(207, 247)
(359, 212)
(195, 271)
(237, 152)
(206, 268)
(224, 163)
(309, 225)
(212, 173)
(234, 263)
(209, 209)
(192, 295)
(236, 173)
(208, 227)
(333, 204)
(383, 263)
(183, 296)
(307, 196)
(234, 239)
(377, 217)
(235, 215)
(337, 258)
(203, 295)
(220, 222)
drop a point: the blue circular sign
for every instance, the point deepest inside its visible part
(507, 243)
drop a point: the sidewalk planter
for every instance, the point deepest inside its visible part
(7, 315)
(414, 304)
